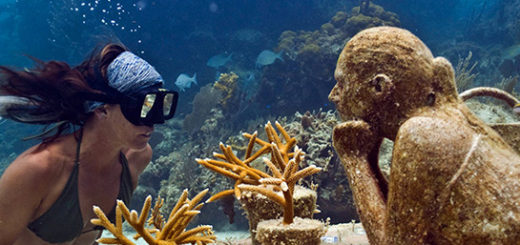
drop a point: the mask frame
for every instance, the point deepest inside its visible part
(132, 105)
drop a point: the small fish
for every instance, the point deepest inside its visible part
(250, 77)
(267, 57)
(184, 81)
(218, 60)
(511, 52)
(516, 109)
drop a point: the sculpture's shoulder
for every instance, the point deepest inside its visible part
(431, 146)
(437, 134)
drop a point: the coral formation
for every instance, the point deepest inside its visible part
(312, 132)
(203, 102)
(241, 170)
(310, 57)
(170, 231)
(227, 83)
(283, 174)
(454, 180)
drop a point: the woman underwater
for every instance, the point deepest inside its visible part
(111, 102)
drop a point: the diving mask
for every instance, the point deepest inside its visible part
(150, 107)
(147, 107)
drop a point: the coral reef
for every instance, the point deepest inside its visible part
(309, 60)
(207, 98)
(172, 168)
(170, 231)
(283, 175)
(312, 132)
(227, 83)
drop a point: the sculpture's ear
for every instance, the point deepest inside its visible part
(444, 77)
(382, 85)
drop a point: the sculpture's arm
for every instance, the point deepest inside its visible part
(358, 147)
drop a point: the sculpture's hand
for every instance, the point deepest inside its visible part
(357, 145)
(354, 139)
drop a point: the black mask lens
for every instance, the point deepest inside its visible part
(152, 108)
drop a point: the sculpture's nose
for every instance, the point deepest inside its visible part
(334, 95)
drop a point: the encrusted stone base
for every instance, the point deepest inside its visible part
(258, 207)
(300, 232)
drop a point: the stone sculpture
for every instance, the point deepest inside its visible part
(453, 179)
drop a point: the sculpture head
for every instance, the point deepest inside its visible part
(384, 74)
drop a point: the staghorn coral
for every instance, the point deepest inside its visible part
(286, 174)
(241, 170)
(172, 231)
(250, 180)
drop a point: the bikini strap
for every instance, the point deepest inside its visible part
(78, 146)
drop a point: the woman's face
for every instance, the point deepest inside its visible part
(133, 136)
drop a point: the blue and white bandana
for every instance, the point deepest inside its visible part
(129, 74)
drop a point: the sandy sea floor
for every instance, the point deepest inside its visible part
(340, 234)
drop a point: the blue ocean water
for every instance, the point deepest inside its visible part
(179, 36)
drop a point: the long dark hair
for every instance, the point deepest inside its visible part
(54, 88)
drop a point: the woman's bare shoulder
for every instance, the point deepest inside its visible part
(35, 164)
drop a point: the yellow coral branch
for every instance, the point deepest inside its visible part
(157, 219)
(264, 191)
(273, 168)
(220, 195)
(116, 230)
(250, 145)
(310, 170)
(172, 232)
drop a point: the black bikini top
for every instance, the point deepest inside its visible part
(63, 222)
